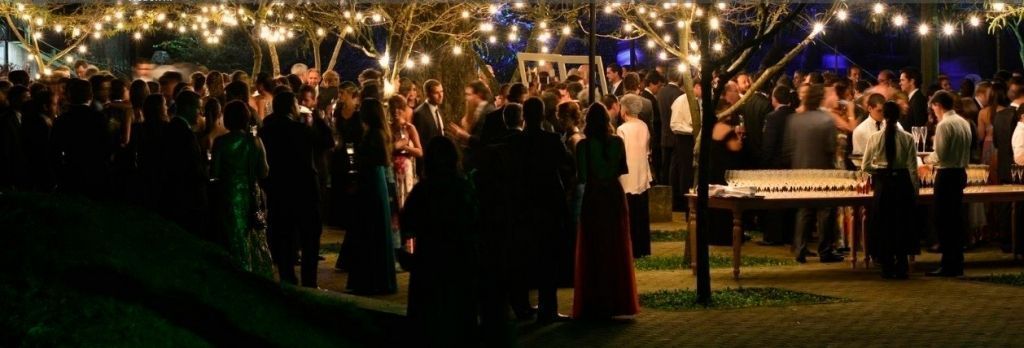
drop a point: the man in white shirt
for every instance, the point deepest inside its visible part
(637, 180)
(681, 125)
(871, 125)
(951, 156)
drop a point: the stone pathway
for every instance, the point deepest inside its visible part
(916, 312)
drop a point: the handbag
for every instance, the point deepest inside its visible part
(258, 213)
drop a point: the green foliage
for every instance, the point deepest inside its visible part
(233, 53)
(732, 298)
(668, 235)
(674, 262)
(1005, 279)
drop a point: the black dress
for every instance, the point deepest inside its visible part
(722, 160)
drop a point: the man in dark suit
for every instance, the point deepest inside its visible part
(184, 184)
(427, 118)
(1003, 124)
(810, 143)
(614, 75)
(81, 142)
(910, 83)
(292, 189)
(542, 164)
(652, 85)
(667, 95)
(754, 110)
(776, 224)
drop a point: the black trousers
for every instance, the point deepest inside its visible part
(291, 226)
(639, 223)
(809, 218)
(949, 224)
(681, 172)
(665, 174)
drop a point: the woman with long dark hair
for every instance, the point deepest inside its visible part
(372, 268)
(891, 157)
(605, 284)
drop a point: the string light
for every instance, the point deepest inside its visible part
(409, 64)
(543, 24)
(137, 35)
(457, 50)
(717, 47)
(879, 8)
(659, 23)
(37, 35)
(662, 55)
(650, 43)
(513, 37)
(998, 6)
(544, 49)
(681, 24)
(841, 15)
(947, 29)
(39, 21)
(975, 21)
(492, 39)
(922, 29)
(424, 59)
(377, 18)
(69, 59)
(320, 32)
(566, 30)
(58, 28)
(607, 9)
(818, 29)
(681, 67)
(486, 27)
(667, 38)
(899, 20)
(384, 60)
(628, 28)
(465, 14)
(713, 23)
(721, 6)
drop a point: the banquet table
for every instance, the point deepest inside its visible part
(791, 200)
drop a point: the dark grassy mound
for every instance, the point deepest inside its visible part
(732, 298)
(77, 273)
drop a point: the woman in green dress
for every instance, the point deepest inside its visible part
(238, 162)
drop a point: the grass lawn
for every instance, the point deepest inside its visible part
(1005, 279)
(732, 298)
(660, 263)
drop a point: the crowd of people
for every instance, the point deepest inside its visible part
(534, 186)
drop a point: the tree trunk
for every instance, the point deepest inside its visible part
(315, 42)
(275, 61)
(257, 55)
(334, 54)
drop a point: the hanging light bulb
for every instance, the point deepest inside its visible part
(424, 59)
(842, 15)
(37, 35)
(492, 39)
(69, 59)
(681, 24)
(948, 29)
(662, 55)
(899, 20)
(543, 24)
(878, 8)
(486, 27)
(681, 67)
(566, 30)
(320, 32)
(58, 28)
(818, 29)
(137, 35)
(713, 23)
(384, 60)
(666, 38)
(998, 6)
(409, 64)
(457, 50)
(650, 43)
(717, 47)
(513, 37)
(544, 49)
(465, 14)
(628, 28)
(975, 21)
(922, 29)
(39, 21)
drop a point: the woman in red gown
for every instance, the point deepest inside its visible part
(605, 285)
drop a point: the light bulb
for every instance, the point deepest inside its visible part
(457, 50)
(879, 8)
(922, 29)
(899, 20)
(841, 15)
(566, 30)
(948, 29)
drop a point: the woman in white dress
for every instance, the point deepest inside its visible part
(637, 180)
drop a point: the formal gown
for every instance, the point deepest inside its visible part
(237, 160)
(605, 283)
(442, 213)
(372, 252)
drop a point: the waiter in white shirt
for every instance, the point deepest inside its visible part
(871, 125)
(681, 124)
(951, 156)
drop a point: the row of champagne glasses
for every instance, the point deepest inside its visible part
(977, 174)
(819, 180)
(920, 138)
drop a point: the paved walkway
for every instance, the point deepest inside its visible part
(917, 312)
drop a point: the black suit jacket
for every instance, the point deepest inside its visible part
(666, 96)
(918, 115)
(81, 142)
(618, 91)
(655, 121)
(289, 146)
(774, 133)
(424, 122)
(754, 111)
(1002, 134)
(184, 173)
